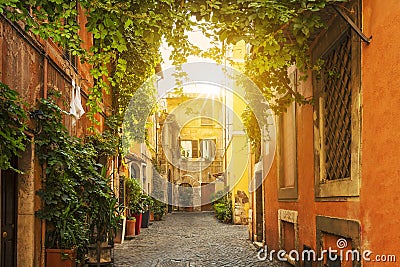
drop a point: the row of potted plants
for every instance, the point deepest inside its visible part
(140, 207)
(79, 207)
(81, 211)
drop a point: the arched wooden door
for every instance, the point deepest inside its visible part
(185, 197)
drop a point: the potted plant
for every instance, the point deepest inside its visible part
(64, 159)
(134, 202)
(130, 227)
(62, 237)
(104, 217)
(147, 202)
(65, 230)
(121, 231)
(158, 208)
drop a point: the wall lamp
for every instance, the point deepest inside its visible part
(38, 116)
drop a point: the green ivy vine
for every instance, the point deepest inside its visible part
(12, 132)
(79, 205)
(127, 36)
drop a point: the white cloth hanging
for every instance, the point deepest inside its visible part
(78, 103)
(76, 109)
(72, 109)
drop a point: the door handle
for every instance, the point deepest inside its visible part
(4, 234)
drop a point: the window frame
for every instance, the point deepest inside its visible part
(192, 141)
(340, 189)
(287, 193)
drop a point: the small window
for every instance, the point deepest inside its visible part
(134, 172)
(189, 148)
(287, 148)
(336, 109)
(207, 149)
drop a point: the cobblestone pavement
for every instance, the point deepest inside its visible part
(189, 239)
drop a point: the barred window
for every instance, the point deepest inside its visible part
(337, 87)
(337, 121)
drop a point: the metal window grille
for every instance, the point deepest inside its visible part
(337, 88)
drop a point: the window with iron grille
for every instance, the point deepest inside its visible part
(337, 120)
(337, 88)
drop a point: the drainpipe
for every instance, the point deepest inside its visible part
(45, 89)
(45, 65)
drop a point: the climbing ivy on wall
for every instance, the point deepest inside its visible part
(127, 35)
(13, 125)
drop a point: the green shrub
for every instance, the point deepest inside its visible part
(222, 205)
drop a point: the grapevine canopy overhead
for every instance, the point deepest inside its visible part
(129, 33)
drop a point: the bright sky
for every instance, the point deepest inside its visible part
(197, 38)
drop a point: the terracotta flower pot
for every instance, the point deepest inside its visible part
(120, 234)
(130, 227)
(157, 217)
(60, 257)
(151, 216)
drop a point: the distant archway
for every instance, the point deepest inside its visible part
(185, 197)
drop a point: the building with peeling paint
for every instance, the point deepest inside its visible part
(34, 68)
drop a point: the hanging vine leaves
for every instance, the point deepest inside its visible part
(12, 132)
(277, 31)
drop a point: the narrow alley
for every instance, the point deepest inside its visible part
(199, 133)
(189, 239)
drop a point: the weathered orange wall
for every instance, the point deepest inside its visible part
(378, 207)
(380, 191)
(26, 62)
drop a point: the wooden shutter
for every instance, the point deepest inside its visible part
(195, 148)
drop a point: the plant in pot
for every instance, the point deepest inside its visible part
(147, 202)
(134, 202)
(130, 227)
(158, 208)
(63, 209)
(65, 235)
(104, 217)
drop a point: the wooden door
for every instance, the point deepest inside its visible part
(206, 192)
(259, 209)
(8, 218)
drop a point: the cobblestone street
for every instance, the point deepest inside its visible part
(189, 239)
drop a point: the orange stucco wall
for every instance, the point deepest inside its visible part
(380, 191)
(377, 208)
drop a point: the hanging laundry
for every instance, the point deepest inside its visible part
(76, 109)
(78, 103)
(72, 107)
